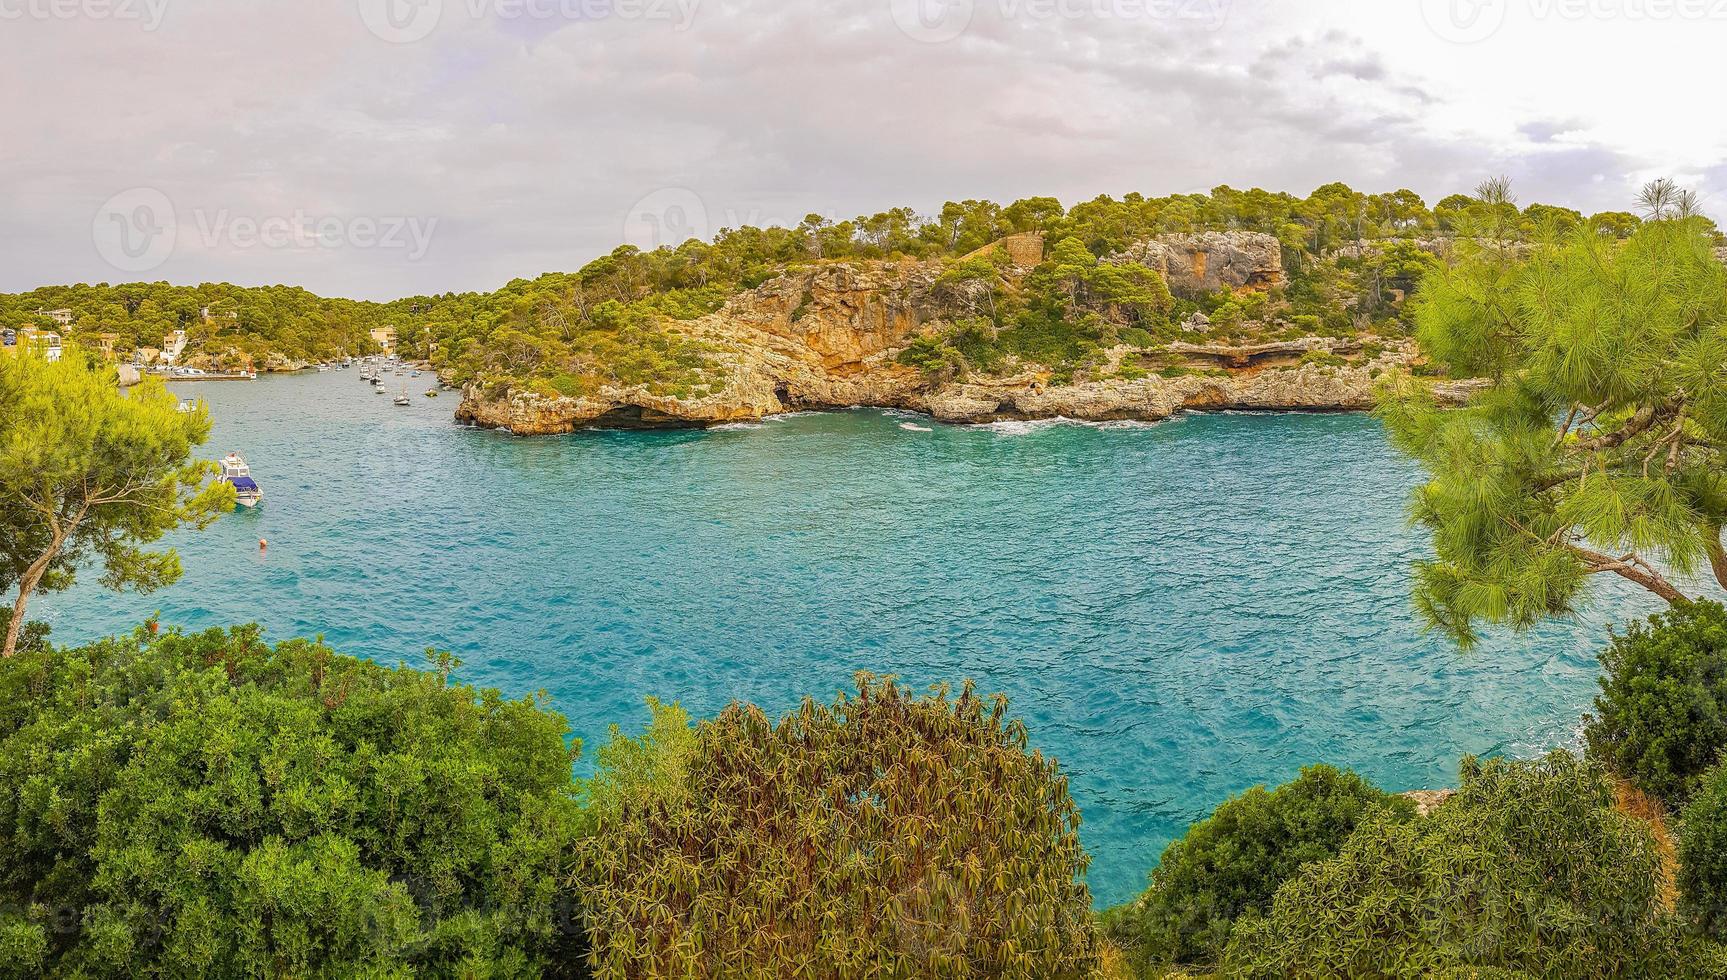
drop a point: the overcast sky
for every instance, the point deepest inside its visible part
(380, 148)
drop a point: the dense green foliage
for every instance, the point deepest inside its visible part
(90, 475)
(1061, 316)
(1230, 864)
(1529, 868)
(882, 835)
(1661, 717)
(614, 321)
(232, 323)
(1703, 857)
(209, 806)
(1599, 447)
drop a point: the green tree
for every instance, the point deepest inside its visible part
(211, 806)
(1528, 868)
(882, 835)
(1598, 448)
(1661, 717)
(91, 473)
(1231, 863)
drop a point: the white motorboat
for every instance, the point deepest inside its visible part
(237, 474)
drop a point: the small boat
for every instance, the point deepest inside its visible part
(402, 399)
(237, 474)
(378, 390)
(378, 381)
(414, 375)
(431, 392)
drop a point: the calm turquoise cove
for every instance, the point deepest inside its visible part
(1178, 611)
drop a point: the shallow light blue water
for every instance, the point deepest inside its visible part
(1178, 611)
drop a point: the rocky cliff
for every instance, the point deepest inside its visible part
(1213, 260)
(828, 336)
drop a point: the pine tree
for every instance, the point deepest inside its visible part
(1598, 447)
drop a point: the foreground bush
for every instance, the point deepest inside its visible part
(209, 806)
(884, 835)
(1529, 868)
(1231, 863)
(1703, 857)
(1661, 717)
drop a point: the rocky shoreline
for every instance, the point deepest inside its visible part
(829, 336)
(1308, 388)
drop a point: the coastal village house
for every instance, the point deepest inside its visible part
(385, 337)
(47, 342)
(173, 345)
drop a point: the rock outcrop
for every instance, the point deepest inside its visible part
(829, 336)
(1023, 250)
(1209, 261)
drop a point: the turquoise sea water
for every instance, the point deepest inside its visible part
(1178, 611)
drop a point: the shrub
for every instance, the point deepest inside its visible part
(1324, 358)
(933, 355)
(1661, 717)
(1703, 856)
(208, 806)
(1528, 868)
(1231, 863)
(882, 835)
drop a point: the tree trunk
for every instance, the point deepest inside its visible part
(16, 626)
(27, 583)
(1717, 555)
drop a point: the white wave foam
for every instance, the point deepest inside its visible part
(913, 427)
(1019, 427)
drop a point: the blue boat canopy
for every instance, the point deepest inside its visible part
(243, 483)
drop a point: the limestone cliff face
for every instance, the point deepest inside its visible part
(1210, 261)
(828, 336)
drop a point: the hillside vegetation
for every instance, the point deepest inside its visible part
(616, 320)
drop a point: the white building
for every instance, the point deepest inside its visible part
(45, 342)
(173, 346)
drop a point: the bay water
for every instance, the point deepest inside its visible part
(1177, 610)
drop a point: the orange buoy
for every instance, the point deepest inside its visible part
(263, 544)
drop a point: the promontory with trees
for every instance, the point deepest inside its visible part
(1137, 307)
(209, 804)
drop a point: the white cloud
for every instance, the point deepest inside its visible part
(530, 132)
